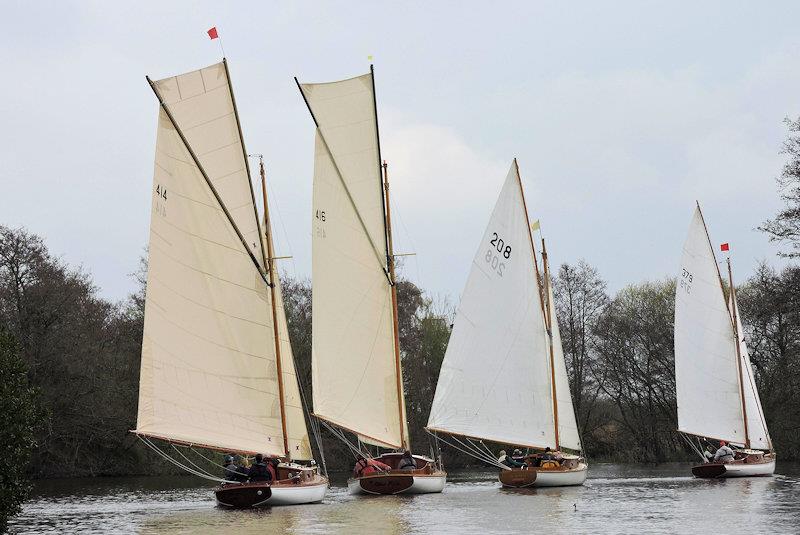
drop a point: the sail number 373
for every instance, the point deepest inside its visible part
(497, 253)
(686, 281)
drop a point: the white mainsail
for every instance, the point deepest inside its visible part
(706, 373)
(209, 369)
(354, 374)
(495, 381)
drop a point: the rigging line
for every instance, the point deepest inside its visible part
(208, 180)
(378, 255)
(692, 445)
(340, 435)
(155, 448)
(190, 462)
(470, 445)
(206, 458)
(493, 461)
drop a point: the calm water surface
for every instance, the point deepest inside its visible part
(615, 499)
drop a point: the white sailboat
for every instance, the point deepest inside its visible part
(503, 378)
(217, 369)
(356, 372)
(716, 390)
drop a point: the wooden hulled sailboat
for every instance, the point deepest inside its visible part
(217, 370)
(716, 390)
(357, 374)
(503, 378)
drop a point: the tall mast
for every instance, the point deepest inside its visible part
(549, 323)
(404, 440)
(270, 266)
(545, 310)
(734, 315)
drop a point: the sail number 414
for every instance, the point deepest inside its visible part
(498, 251)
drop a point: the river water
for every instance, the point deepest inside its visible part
(615, 499)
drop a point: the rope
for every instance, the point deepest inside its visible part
(178, 463)
(476, 453)
(338, 433)
(200, 468)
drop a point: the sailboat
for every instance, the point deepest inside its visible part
(357, 375)
(503, 378)
(217, 370)
(716, 390)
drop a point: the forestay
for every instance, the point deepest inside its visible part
(706, 374)
(354, 374)
(208, 370)
(495, 378)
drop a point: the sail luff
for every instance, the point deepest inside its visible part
(270, 265)
(168, 112)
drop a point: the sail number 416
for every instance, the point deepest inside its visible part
(495, 255)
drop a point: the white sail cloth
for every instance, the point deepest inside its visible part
(354, 368)
(495, 379)
(757, 430)
(209, 370)
(568, 435)
(706, 373)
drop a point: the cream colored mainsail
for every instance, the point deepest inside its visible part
(706, 373)
(354, 373)
(495, 381)
(209, 367)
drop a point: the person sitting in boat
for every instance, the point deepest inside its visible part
(366, 466)
(407, 462)
(231, 469)
(724, 453)
(259, 470)
(509, 461)
(708, 455)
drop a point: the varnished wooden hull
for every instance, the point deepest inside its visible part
(756, 464)
(398, 482)
(262, 494)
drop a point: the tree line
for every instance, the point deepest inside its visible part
(70, 358)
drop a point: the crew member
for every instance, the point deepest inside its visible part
(724, 453)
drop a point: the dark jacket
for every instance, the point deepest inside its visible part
(407, 463)
(232, 472)
(513, 463)
(259, 472)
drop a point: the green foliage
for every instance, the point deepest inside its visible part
(19, 417)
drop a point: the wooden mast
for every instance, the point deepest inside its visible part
(738, 353)
(273, 298)
(404, 440)
(549, 319)
(540, 285)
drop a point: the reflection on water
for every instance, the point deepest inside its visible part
(615, 499)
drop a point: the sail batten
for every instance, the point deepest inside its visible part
(353, 360)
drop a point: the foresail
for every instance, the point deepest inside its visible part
(756, 423)
(201, 103)
(353, 371)
(296, 428)
(568, 435)
(208, 370)
(495, 378)
(706, 374)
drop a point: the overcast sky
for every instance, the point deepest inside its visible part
(621, 115)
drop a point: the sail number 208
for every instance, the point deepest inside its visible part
(498, 252)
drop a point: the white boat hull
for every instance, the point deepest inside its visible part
(749, 463)
(248, 495)
(420, 484)
(533, 477)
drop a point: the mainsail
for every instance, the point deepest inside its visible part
(355, 373)
(209, 368)
(710, 396)
(495, 381)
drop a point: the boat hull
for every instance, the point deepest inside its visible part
(398, 482)
(519, 478)
(756, 464)
(267, 494)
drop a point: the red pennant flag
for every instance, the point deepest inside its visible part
(724, 247)
(212, 33)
